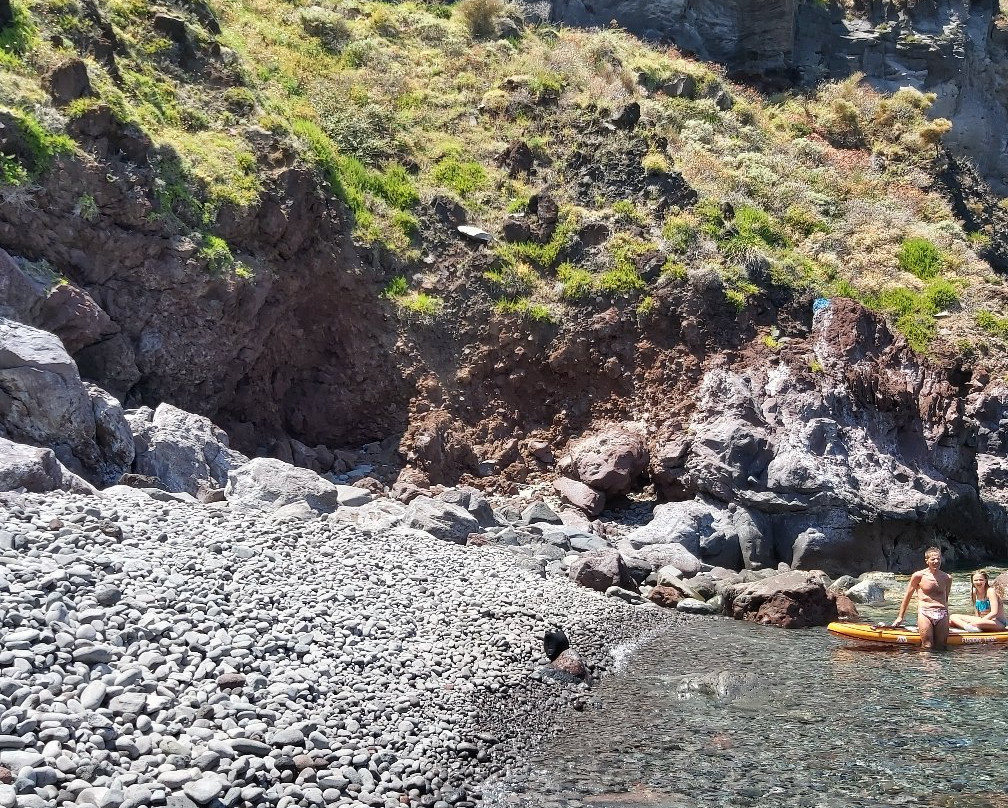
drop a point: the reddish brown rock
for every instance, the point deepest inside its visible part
(789, 600)
(611, 461)
(69, 81)
(666, 596)
(579, 495)
(230, 681)
(302, 762)
(845, 607)
(571, 664)
(1001, 582)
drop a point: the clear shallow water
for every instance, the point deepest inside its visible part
(724, 713)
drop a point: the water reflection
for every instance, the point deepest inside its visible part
(729, 714)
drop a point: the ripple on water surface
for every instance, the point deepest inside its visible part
(722, 713)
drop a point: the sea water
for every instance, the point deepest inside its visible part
(726, 713)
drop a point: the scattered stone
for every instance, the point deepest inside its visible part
(475, 233)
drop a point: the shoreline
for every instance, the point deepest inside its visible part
(156, 648)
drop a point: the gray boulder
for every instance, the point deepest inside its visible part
(375, 516)
(112, 434)
(664, 555)
(441, 519)
(186, 452)
(598, 570)
(680, 523)
(42, 398)
(868, 592)
(268, 484)
(353, 496)
(473, 501)
(37, 470)
(842, 584)
(696, 606)
(708, 529)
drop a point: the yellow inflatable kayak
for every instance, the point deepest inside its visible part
(909, 636)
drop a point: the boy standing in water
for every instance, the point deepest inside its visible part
(932, 587)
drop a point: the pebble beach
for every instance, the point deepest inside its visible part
(157, 652)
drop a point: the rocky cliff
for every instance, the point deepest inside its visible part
(653, 240)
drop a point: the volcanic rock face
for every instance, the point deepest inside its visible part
(857, 466)
(720, 30)
(146, 321)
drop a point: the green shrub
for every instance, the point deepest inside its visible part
(736, 298)
(803, 221)
(397, 287)
(396, 187)
(738, 290)
(627, 211)
(992, 324)
(36, 149)
(896, 301)
(216, 254)
(920, 257)
(711, 216)
(754, 228)
(647, 305)
(546, 255)
(546, 84)
(941, 294)
(406, 223)
(919, 329)
(795, 271)
(673, 269)
(513, 279)
(679, 233)
(86, 208)
(11, 171)
(576, 283)
(655, 162)
(843, 288)
(352, 181)
(480, 16)
(18, 37)
(525, 308)
(462, 176)
(621, 280)
(420, 304)
(624, 277)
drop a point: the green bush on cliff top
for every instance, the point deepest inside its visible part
(35, 148)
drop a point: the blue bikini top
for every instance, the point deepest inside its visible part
(982, 605)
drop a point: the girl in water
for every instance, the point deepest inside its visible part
(988, 607)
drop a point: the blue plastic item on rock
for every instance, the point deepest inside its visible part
(820, 304)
